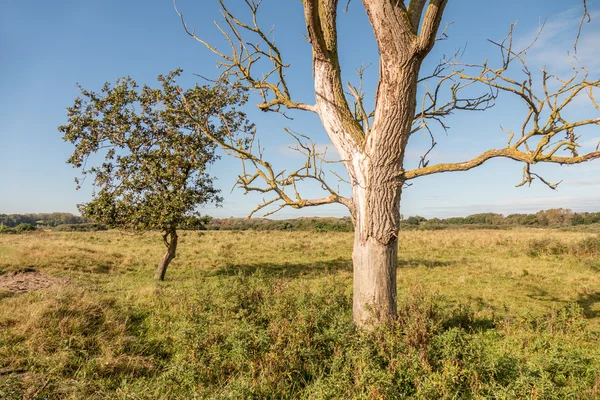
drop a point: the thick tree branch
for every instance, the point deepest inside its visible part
(431, 23)
(344, 130)
(545, 131)
(392, 26)
(415, 12)
(506, 153)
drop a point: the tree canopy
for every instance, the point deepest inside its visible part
(154, 172)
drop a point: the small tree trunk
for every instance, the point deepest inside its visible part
(161, 270)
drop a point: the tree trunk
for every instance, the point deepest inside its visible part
(377, 189)
(374, 280)
(375, 254)
(373, 151)
(161, 270)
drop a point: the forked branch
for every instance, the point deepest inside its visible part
(546, 131)
(258, 175)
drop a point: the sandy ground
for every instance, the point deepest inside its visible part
(27, 280)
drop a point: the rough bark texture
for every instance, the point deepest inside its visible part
(374, 158)
(377, 197)
(171, 253)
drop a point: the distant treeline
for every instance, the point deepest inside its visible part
(44, 219)
(558, 217)
(548, 218)
(327, 224)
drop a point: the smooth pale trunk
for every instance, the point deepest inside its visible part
(374, 281)
(171, 253)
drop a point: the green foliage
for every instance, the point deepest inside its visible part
(415, 220)
(155, 149)
(22, 227)
(588, 222)
(253, 336)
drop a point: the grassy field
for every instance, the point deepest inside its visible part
(505, 314)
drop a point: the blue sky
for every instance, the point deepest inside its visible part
(46, 47)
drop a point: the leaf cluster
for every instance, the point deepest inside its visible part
(154, 171)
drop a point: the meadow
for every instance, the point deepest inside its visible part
(483, 314)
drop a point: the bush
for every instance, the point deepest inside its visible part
(24, 228)
(547, 246)
(17, 229)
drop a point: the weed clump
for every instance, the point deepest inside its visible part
(589, 246)
(550, 246)
(21, 228)
(76, 336)
(546, 246)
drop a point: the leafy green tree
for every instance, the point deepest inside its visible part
(415, 220)
(154, 172)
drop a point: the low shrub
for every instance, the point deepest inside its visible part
(25, 228)
(17, 229)
(589, 245)
(546, 246)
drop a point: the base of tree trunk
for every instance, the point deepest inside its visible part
(374, 298)
(161, 270)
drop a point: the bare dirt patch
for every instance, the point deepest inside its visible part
(27, 280)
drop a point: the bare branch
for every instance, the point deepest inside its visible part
(259, 175)
(446, 97)
(545, 131)
(360, 114)
(343, 129)
(237, 65)
(506, 153)
(585, 18)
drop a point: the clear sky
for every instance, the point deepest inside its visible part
(48, 46)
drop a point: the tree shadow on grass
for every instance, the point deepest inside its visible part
(541, 294)
(424, 262)
(287, 270)
(587, 302)
(294, 270)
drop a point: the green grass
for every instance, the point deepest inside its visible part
(482, 314)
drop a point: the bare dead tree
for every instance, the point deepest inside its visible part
(372, 143)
